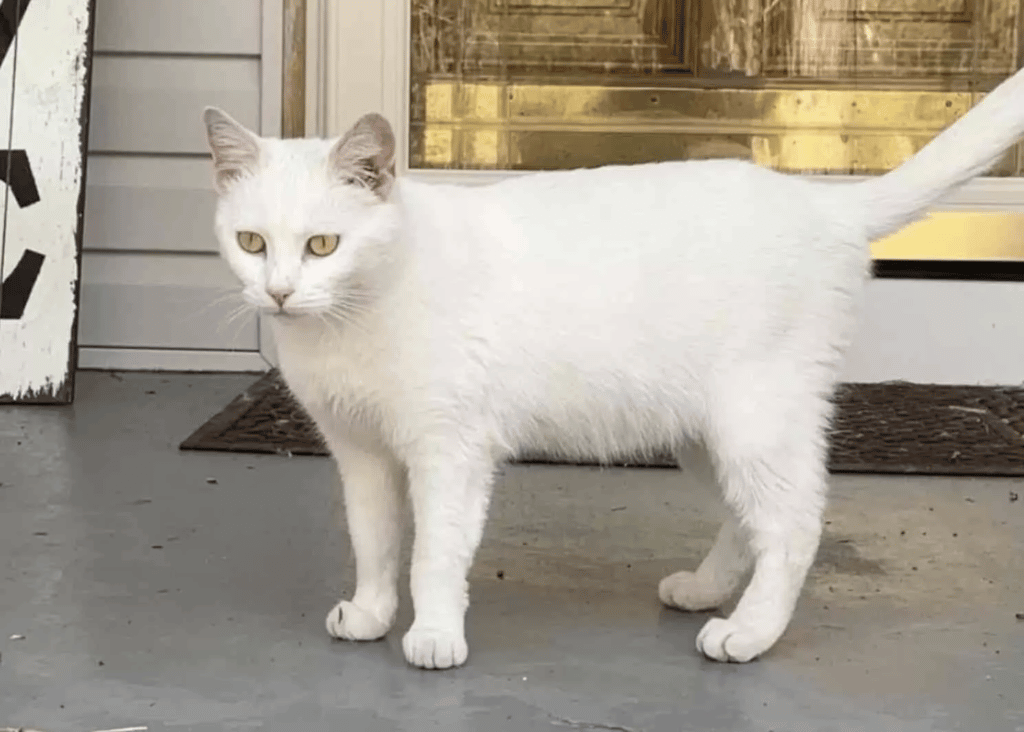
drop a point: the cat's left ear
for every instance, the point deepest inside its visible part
(366, 154)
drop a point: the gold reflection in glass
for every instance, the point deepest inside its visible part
(988, 235)
(804, 85)
(822, 86)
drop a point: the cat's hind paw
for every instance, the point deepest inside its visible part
(722, 639)
(351, 622)
(434, 649)
(684, 590)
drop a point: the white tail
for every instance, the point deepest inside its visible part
(965, 149)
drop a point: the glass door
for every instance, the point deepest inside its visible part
(808, 86)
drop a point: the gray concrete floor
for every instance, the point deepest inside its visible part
(136, 592)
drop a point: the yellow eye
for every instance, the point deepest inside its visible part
(251, 242)
(322, 244)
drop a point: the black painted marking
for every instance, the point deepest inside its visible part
(12, 12)
(970, 269)
(19, 283)
(16, 172)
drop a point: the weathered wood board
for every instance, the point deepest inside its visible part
(45, 61)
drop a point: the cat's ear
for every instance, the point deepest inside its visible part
(236, 150)
(366, 155)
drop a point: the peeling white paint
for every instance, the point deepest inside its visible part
(51, 68)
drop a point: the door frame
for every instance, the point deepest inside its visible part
(358, 62)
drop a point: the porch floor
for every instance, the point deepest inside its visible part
(151, 588)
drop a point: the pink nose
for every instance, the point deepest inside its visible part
(279, 295)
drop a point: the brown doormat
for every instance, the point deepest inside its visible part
(879, 428)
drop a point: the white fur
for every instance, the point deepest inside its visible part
(702, 307)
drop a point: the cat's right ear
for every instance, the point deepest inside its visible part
(236, 150)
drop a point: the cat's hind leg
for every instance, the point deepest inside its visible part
(716, 579)
(723, 569)
(770, 456)
(372, 484)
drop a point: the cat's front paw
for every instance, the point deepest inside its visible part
(348, 621)
(722, 639)
(434, 648)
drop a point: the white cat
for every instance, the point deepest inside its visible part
(433, 331)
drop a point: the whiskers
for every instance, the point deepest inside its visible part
(348, 309)
(227, 294)
(240, 307)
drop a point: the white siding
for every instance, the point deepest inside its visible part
(153, 105)
(149, 300)
(149, 203)
(153, 290)
(200, 27)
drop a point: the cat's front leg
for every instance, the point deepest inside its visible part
(371, 481)
(450, 490)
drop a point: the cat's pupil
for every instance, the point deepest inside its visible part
(251, 242)
(322, 244)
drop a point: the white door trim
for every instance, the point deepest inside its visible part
(356, 62)
(91, 358)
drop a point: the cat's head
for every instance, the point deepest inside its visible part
(304, 224)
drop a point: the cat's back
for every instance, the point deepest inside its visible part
(705, 204)
(706, 218)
